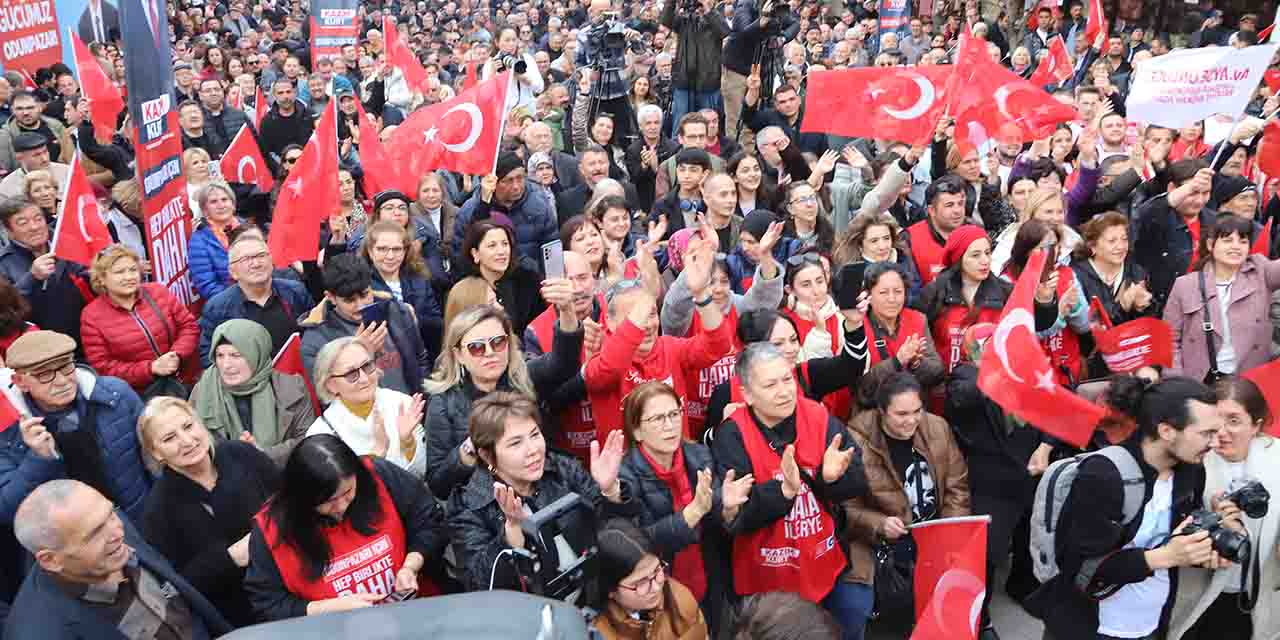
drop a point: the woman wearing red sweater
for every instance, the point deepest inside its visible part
(151, 333)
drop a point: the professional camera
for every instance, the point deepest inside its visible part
(1228, 543)
(514, 63)
(560, 560)
(609, 37)
(780, 11)
(1252, 498)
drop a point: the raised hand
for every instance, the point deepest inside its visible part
(826, 163)
(487, 186)
(606, 461)
(410, 417)
(834, 461)
(734, 492)
(381, 441)
(853, 157)
(658, 230)
(513, 514)
(373, 337)
(558, 292)
(37, 437)
(791, 480)
(592, 336)
(700, 506)
(909, 352)
(753, 80)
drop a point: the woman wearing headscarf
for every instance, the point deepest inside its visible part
(241, 397)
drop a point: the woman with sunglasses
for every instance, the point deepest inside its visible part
(371, 420)
(482, 354)
(636, 594)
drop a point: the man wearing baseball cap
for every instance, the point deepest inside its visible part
(75, 424)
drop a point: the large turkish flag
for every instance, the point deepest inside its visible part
(460, 135)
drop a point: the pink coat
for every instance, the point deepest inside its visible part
(1248, 312)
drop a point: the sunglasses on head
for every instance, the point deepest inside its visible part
(478, 348)
(804, 258)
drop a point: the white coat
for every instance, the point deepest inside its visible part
(358, 433)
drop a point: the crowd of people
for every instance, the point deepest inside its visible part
(756, 363)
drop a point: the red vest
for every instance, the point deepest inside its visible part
(910, 323)
(799, 552)
(926, 251)
(1063, 346)
(839, 403)
(577, 422)
(948, 337)
(708, 378)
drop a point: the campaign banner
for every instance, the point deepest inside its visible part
(29, 36)
(333, 26)
(895, 15)
(158, 143)
(1184, 87)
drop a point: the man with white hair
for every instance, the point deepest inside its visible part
(647, 153)
(93, 570)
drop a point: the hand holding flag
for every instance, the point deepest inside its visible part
(462, 134)
(80, 233)
(289, 361)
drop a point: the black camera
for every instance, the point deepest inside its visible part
(560, 559)
(1229, 544)
(1252, 498)
(780, 11)
(512, 62)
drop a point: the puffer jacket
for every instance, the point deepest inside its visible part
(532, 218)
(449, 412)
(322, 325)
(116, 411)
(885, 496)
(208, 262)
(476, 520)
(115, 344)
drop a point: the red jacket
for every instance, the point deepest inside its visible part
(613, 373)
(115, 345)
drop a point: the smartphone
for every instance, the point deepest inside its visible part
(849, 284)
(553, 259)
(374, 312)
(396, 596)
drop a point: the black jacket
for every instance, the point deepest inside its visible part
(193, 527)
(57, 302)
(1089, 529)
(644, 178)
(280, 131)
(1117, 196)
(424, 530)
(743, 47)
(1162, 245)
(996, 451)
(757, 118)
(476, 521)
(1092, 286)
(449, 412)
(697, 63)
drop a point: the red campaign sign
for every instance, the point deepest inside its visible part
(328, 39)
(164, 205)
(29, 36)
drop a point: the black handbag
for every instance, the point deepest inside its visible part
(162, 386)
(1213, 375)
(895, 568)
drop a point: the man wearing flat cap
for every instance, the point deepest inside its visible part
(31, 150)
(75, 424)
(1236, 195)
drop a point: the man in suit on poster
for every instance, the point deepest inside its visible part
(98, 22)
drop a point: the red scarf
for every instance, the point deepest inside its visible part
(688, 568)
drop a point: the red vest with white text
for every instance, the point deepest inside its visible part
(708, 378)
(839, 403)
(926, 251)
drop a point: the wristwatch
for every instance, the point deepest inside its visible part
(703, 302)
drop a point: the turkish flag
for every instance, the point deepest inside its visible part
(260, 108)
(242, 162)
(989, 101)
(1267, 377)
(105, 103)
(1097, 21)
(462, 134)
(894, 103)
(1016, 373)
(307, 195)
(472, 72)
(400, 57)
(289, 361)
(380, 173)
(1054, 68)
(1269, 151)
(80, 233)
(1262, 244)
(9, 415)
(1272, 78)
(950, 580)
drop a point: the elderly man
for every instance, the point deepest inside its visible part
(32, 151)
(94, 573)
(593, 164)
(55, 288)
(76, 424)
(535, 222)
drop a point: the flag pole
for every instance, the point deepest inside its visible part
(1222, 146)
(955, 520)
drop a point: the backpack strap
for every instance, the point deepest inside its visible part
(1207, 326)
(1135, 492)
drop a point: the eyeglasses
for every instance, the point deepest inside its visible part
(257, 257)
(353, 376)
(809, 199)
(291, 160)
(389, 251)
(478, 348)
(649, 584)
(671, 417)
(390, 206)
(45, 377)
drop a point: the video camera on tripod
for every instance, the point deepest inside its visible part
(608, 39)
(560, 561)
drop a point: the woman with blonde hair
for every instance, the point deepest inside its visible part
(42, 189)
(137, 332)
(201, 509)
(481, 355)
(469, 292)
(433, 208)
(195, 168)
(1048, 206)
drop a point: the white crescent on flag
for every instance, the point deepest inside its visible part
(477, 126)
(999, 340)
(240, 169)
(81, 203)
(921, 106)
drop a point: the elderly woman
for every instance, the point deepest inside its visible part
(137, 332)
(241, 397)
(517, 478)
(482, 354)
(383, 423)
(898, 337)
(200, 511)
(195, 168)
(42, 189)
(876, 237)
(1102, 267)
(434, 208)
(207, 248)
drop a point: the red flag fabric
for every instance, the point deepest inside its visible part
(989, 101)
(308, 195)
(1262, 244)
(289, 361)
(243, 163)
(1267, 377)
(1272, 78)
(950, 580)
(400, 57)
(9, 415)
(1016, 373)
(80, 233)
(380, 173)
(260, 108)
(105, 103)
(1135, 344)
(1097, 21)
(1033, 16)
(1054, 68)
(462, 134)
(896, 103)
(1269, 151)
(472, 72)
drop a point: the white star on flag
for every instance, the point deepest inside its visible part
(429, 135)
(1044, 380)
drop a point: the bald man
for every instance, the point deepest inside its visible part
(93, 571)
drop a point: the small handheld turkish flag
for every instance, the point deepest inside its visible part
(950, 580)
(1016, 373)
(460, 135)
(898, 103)
(289, 361)
(1269, 151)
(307, 195)
(1097, 21)
(105, 103)
(1054, 68)
(80, 233)
(243, 163)
(9, 415)
(380, 173)
(260, 108)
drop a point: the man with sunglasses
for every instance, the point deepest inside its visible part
(75, 424)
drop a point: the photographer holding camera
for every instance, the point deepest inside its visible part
(759, 31)
(1244, 462)
(507, 55)
(603, 44)
(696, 77)
(1124, 529)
